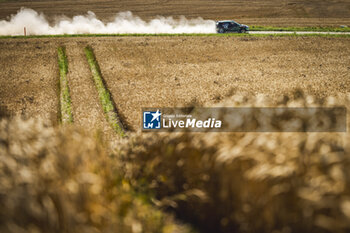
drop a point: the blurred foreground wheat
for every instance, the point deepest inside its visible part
(61, 180)
(248, 182)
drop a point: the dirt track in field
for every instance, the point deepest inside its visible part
(274, 12)
(87, 110)
(168, 72)
(29, 79)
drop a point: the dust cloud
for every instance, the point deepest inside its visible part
(123, 22)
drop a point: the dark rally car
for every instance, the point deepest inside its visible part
(231, 26)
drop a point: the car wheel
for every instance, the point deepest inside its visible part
(221, 30)
(243, 31)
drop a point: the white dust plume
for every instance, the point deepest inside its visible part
(124, 22)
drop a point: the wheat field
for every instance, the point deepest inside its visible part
(68, 178)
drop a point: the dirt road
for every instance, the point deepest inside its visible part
(299, 32)
(254, 12)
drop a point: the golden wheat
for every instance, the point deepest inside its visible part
(61, 180)
(248, 182)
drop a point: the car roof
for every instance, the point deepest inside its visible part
(226, 21)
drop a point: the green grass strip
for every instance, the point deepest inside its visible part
(104, 95)
(181, 35)
(65, 101)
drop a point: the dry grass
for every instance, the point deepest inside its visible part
(57, 179)
(61, 180)
(273, 12)
(248, 182)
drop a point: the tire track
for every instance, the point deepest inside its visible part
(65, 101)
(87, 111)
(104, 95)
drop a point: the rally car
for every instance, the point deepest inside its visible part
(231, 26)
